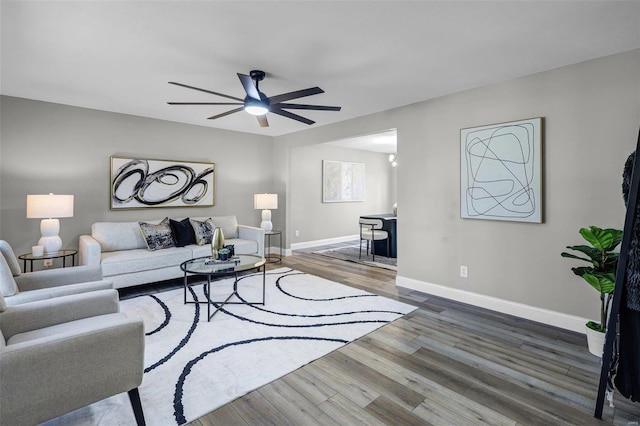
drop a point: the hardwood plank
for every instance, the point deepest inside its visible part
(224, 415)
(390, 413)
(293, 405)
(398, 393)
(346, 412)
(256, 410)
(462, 408)
(355, 391)
(311, 387)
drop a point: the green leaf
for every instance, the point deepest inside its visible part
(602, 239)
(595, 326)
(573, 256)
(602, 282)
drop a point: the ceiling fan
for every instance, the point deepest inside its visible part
(258, 104)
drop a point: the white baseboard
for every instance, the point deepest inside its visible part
(316, 243)
(544, 316)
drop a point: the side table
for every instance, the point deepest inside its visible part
(267, 247)
(57, 255)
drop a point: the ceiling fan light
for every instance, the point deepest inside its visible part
(256, 107)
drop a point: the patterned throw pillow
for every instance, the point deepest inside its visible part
(157, 236)
(203, 231)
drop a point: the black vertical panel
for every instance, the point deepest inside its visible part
(621, 278)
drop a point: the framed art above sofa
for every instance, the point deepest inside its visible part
(142, 183)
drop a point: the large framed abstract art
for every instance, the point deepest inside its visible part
(501, 171)
(342, 182)
(143, 183)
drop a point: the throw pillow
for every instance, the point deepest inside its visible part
(203, 231)
(157, 236)
(182, 232)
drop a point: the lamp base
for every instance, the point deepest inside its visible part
(266, 221)
(49, 228)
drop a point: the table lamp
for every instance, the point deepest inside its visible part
(49, 208)
(265, 202)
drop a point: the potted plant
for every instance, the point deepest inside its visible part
(601, 275)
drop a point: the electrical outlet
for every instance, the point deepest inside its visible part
(48, 263)
(297, 233)
(464, 272)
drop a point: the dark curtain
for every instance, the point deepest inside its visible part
(627, 368)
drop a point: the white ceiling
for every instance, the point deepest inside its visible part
(384, 142)
(368, 56)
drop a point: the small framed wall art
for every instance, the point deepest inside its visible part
(501, 171)
(342, 182)
(143, 183)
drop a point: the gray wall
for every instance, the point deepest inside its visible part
(591, 115)
(54, 148)
(317, 220)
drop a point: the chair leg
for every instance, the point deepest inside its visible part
(360, 254)
(373, 250)
(134, 397)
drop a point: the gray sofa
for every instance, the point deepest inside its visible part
(121, 250)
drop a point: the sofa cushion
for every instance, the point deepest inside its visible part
(203, 231)
(157, 236)
(182, 232)
(131, 261)
(114, 236)
(229, 225)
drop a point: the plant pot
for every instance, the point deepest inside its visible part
(595, 341)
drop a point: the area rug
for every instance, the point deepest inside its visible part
(352, 254)
(193, 366)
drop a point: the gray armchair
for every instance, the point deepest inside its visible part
(18, 287)
(62, 354)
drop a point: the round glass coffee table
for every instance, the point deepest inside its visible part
(210, 268)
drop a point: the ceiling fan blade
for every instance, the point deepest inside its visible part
(311, 107)
(294, 95)
(247, 83)
(262, 120)
(226, 113)
(204, 103)
(274, 109)
(206, 91)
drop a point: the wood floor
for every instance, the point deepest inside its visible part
(444, 364)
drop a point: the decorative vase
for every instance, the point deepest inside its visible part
(595, 341)
(217, 242)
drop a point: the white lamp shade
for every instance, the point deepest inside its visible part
(49, 206)
(265, 201)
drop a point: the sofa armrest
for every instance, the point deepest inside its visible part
(89, 250)
(254, 234)
(57, 277)
(45, 313)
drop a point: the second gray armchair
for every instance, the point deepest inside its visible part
(18, 287)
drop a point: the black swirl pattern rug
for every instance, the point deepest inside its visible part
(194, 366)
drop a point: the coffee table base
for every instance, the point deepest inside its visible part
(220, 304)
